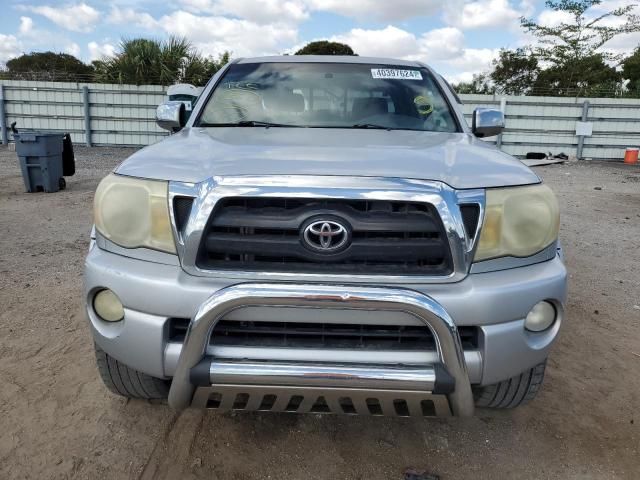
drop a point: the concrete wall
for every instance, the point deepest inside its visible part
(103, 114)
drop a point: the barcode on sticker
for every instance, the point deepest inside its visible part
(396, 73)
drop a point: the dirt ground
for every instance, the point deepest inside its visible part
(58, 421)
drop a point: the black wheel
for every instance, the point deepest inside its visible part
(127, 382)
(513, 392)
(62, 183)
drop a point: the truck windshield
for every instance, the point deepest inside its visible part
(328, 95)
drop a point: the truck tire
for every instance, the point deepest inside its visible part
(513, 392)
(127, 382)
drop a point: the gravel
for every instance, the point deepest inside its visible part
(58, 421)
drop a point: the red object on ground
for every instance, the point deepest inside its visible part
(631, 156)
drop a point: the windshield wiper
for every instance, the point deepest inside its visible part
(371, 125)
(247, 123)
(258, 123)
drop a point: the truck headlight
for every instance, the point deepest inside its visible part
(519, 222)
(133, 212)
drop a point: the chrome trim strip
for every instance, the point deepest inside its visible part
(421, 306)
(417, 377)
(477, 197)
(179, 189)
(441, 196)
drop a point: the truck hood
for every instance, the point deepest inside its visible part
(458, 159)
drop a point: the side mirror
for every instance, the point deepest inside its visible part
(487, 122)
(171, 116)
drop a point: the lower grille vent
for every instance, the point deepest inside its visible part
(322, 335)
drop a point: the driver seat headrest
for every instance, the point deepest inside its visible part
(366, 107)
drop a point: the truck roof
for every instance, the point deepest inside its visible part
(330, 59)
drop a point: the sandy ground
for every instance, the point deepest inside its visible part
(58, 421)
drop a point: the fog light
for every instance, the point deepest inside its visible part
(108, 306)
(541, 317)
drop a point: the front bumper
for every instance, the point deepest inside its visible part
(200, 375)
(496, 302)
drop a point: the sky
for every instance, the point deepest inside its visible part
(457, 37)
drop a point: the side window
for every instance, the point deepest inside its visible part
(450, 88)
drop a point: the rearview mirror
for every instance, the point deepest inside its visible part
(171, 116)
(487, 122)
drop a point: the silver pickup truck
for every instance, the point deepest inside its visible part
(325, 234)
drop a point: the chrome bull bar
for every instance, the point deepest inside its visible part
(431, 313)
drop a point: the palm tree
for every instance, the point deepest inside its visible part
(155, 62)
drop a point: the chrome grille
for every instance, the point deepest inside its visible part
(264, 234)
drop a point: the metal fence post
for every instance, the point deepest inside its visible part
(503, 109)
(87, 115)
(3, 117)
(585, 116)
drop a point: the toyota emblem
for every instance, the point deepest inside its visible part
(326, 236)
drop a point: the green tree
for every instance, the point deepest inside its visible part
(514, 72)
(631, 71)
(152, 62)
(49, 66)
(581, 41)
(144, 61)
(198, 70)
(599, 79)
(324, 47)
(479, 84)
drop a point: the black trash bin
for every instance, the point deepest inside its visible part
(40, 155)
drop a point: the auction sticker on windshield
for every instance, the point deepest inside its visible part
(395, 73)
